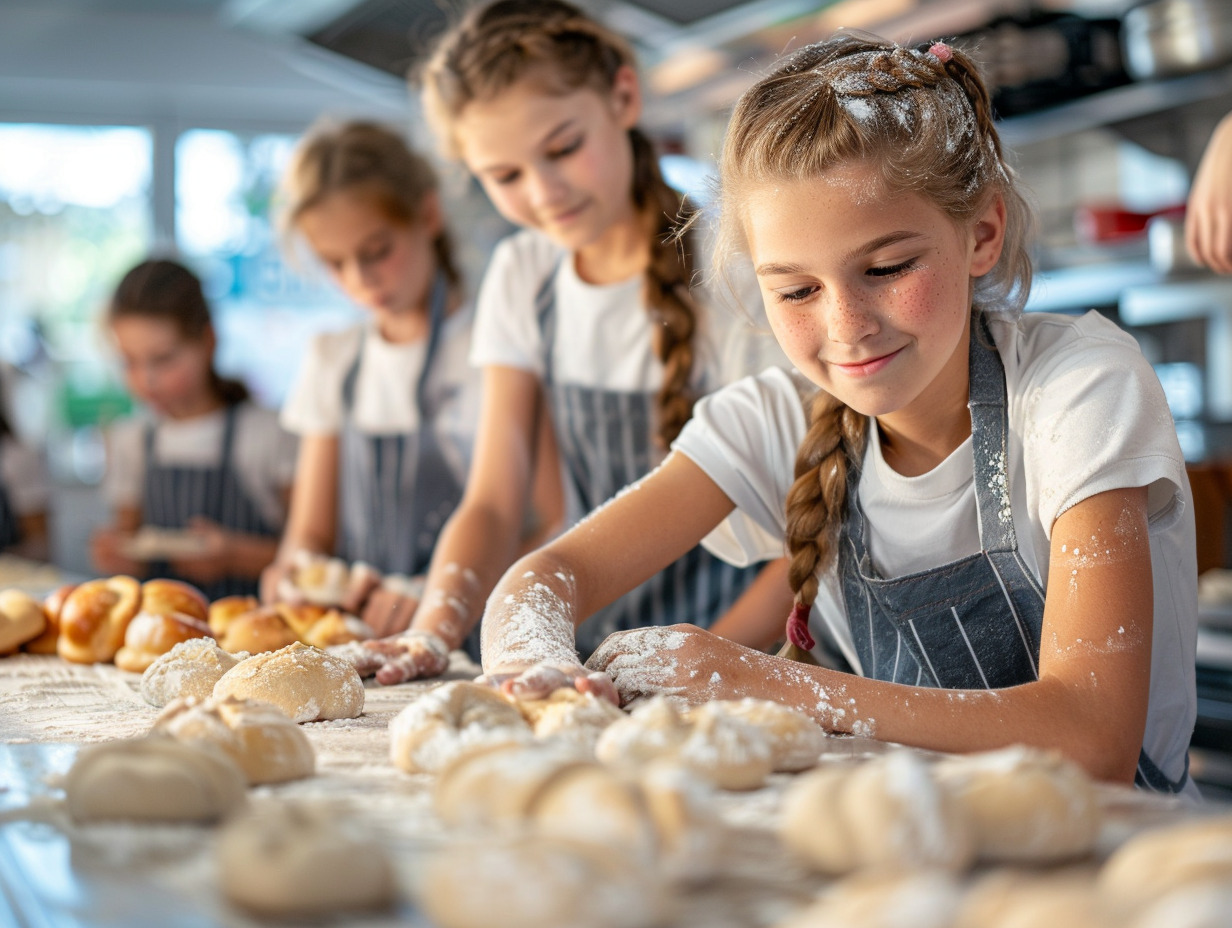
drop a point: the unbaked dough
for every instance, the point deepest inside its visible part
(654, 729)
(1026, 805)
(796, 741)
(304, 682)
(569, 715)
(191, 668)
(920, 898)
(1164, 860)
(266, 745)
(498, 784)
(450, 720)
(152, 779)
(885, 812)
(1023, 899)
(288, 860)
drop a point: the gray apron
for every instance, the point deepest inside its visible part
(606, 442)
(973, 623)
(175, 494)
(10, 527)
(397, 490)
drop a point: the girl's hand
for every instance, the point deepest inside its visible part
(541, 680)
(411, 655)
(105, 547)
(387, 612)
(213, 563)
(682, 661)
(275, 581)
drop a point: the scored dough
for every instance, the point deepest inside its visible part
(450, 720)
(152, 779)
(191, 668)
(291, 860)
(304, 682)
(266, 745)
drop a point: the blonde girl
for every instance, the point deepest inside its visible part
(586, 318)
(987, 512)
(207, 460)
(386, 409)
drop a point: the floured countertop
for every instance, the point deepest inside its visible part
(54, 873)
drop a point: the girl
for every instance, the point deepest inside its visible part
(23, 490)
(385, 410)
(585, 319)
(212, 463)
(987, 514)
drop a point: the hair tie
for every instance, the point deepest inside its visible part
(941, 52)
(797, 627)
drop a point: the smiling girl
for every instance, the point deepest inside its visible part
(987, 513)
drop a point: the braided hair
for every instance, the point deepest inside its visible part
(923, 121)
(560, 49)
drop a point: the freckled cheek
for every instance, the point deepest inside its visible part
(919, 298)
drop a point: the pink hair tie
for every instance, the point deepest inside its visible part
(797, 627)
(941, 52)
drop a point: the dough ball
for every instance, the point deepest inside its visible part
(567, 714)
(690, 835)
(1019, 899)
(150, 635)
(335, 628)
(258, 632)
(728, 751)
(449, 720)
(921, 899)
(498, 784)
(154, 779)
(266, 745)
(22, 619)
(886, 812)
(1205, 905)
(796, 741)
(319, 580)
(1026, 805)
(289, 860)
(190, 668)
(592, 803)
(538, 881)
(163, 596)
(653, 730)
(304, 682)
(54, 602)
(1160, 861)
(226, 610)
(95, 617)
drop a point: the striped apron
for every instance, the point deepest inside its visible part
(10, 527)
(175, 494)
(398, 489)
(606, 442)
(973, 623)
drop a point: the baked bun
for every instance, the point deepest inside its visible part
(335, 628)
(289, 860)
(189, 669)
(258, 631)
(887, 812)
(52, 604)
(95, 617)
(796, 741)
(154, 779)
(450, 720)
(266, 745)
(150, 635)
(300, 617)
(223, 612)
(21, 619)
(163, 596)
(304, 682)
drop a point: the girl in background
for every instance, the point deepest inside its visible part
(385, 410)
(23, 490)
(211, 464)
(586, 319)
(987, 513)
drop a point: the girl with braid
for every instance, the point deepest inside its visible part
(586, 318)
(987, 514)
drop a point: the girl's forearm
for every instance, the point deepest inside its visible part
(531, 616)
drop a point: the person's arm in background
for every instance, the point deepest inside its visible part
(547, 492)
(1208, 219)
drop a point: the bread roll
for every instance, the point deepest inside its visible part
(448, 721)
(1165, 860)
(304, 682)
(886, 812)
(653, 730)
(498, 784)
(190, 669)
(921, 899)
(320, 580)
(796, 741)
(300, 616)
(257, 632)
(289, 860)
(52, 604)
(1026, 805)
(224, 611)
(154, 779)
(266, 745)
(1023, 899)
(22, 619)
(593, 803)
(335, 628)
(728, 751)
(95, 617)
(164, 596)
(151, 635)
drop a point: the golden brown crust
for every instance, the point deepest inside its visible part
(224, 611)
(22, 619)
(151, 635)
(163, 596)
(46, 642)
(95, 617)
(258, 631)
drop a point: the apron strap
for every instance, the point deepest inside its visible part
(989, 439)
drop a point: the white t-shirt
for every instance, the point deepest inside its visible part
(1086, 415)
(263, 455)
(386, 385)
(603, 331)
(23, 476)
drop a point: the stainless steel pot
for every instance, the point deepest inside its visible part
(1169, 37)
